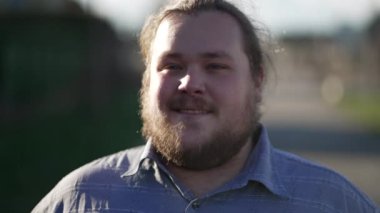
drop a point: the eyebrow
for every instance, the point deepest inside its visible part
(216, 54)
(207, 55)
(171, 55)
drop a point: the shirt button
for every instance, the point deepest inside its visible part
(195, 205)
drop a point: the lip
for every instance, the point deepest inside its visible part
(192, 111)
(192, 106)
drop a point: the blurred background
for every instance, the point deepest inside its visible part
(70, 73)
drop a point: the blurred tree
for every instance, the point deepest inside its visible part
(68, 94)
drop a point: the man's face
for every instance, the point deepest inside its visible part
(199, 106)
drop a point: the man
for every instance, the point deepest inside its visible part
(205, 151)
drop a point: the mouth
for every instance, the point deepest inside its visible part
(192, 111)
(185, 105)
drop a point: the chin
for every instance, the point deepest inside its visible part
(193, 140)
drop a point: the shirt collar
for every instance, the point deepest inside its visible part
(135, 165)
(260, 166)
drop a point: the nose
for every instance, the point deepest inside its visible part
(192, 83)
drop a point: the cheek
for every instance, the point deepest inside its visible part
(161, 89)
(234, 90)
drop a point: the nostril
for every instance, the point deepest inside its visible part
(191, 85)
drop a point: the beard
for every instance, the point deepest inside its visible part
(210, 150)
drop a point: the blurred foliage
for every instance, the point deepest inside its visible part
(65, 100)
(365, 108)
(39, 152)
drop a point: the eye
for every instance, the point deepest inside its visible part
(171, 67)
(216, 66)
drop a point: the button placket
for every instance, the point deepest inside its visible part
(193, 205)
(196, 204)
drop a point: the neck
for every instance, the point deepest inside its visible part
(201, 182)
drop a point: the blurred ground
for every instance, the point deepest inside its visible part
(300, 122)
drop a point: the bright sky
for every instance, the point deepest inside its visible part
(315, 15)
(122, 14)
(278, 16)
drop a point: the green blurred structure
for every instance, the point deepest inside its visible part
(66, 98)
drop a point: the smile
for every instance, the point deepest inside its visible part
(192, 111)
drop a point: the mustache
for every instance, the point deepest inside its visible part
(185, 101)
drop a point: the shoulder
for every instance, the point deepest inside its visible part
(105, 168)
(95, 176)
(310, 182)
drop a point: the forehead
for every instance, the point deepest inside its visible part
(200, 32)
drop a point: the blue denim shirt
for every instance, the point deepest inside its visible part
(272, 181)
